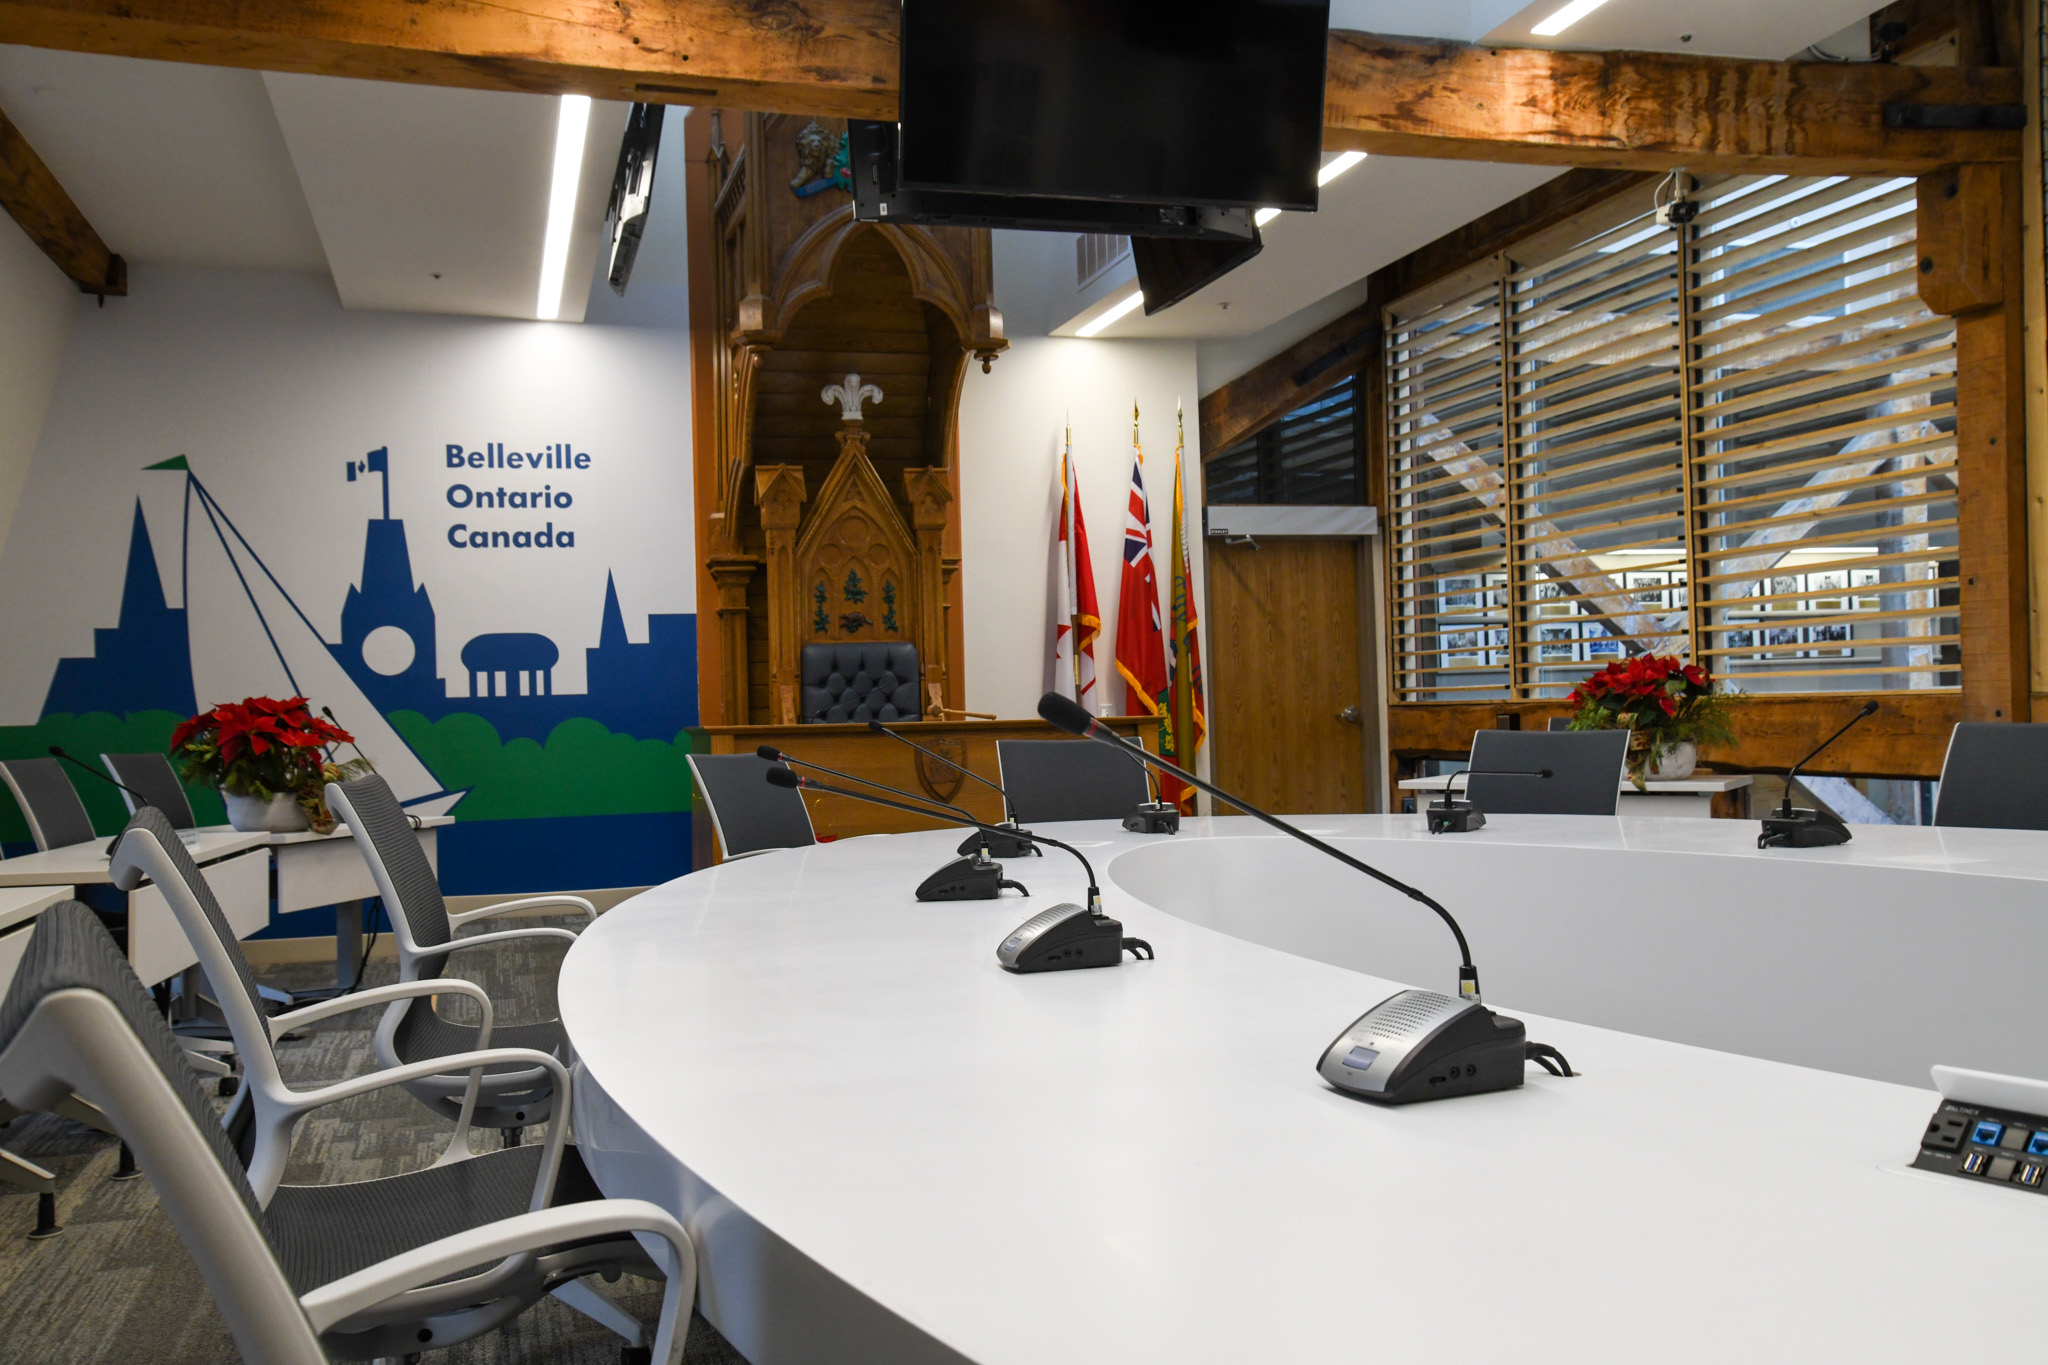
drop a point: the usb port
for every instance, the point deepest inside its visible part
(1987, 1132)
(2030, 1174)
(1973, 1164)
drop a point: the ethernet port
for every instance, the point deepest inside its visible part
(2039, 1145)
(1987, 1132)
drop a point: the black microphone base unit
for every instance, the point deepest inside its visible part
(971, 878)
(1803, 828)
(1454, 817)
(1001, 845)
(1062, 939)
(1153, 817)
(1421, 1045)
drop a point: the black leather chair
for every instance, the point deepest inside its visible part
(1585, 771)
(860, 681)
(1069, 779)
(1995, 776)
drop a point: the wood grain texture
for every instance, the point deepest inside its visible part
(1650, 111)
(34, 199)
(858, 750)
(1960, 218)
(1908, 736)
(1398, 96)
(1283, 626)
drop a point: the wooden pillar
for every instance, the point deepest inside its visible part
(931, 495)
(1968, 230)
(779, 489)
(731, 574)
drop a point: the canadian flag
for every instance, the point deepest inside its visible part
(1077, 616)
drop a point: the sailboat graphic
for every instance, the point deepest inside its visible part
(249, 638)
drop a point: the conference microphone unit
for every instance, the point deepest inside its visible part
(1415, 1044)
(1002, 841)
(1059, 939)
(1800, 827)
(1462, 817)
(973, 876)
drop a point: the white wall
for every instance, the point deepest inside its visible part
(1011, 424)
(37, 303)
(270, 387)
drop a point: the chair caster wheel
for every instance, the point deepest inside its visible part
(636, 1355)
(228, 1085)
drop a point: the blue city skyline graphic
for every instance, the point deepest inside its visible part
(644, 690)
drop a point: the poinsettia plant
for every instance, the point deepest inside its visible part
(261, 746)
(1663, 700)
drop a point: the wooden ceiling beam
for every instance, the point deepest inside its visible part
(1398, 96)
(34, 199)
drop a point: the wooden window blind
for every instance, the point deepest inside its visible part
(1313, 454)
(1733, 441)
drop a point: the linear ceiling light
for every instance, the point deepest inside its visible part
(554, 252)
(1338, 166)
(1566, 17)
(1116, 310)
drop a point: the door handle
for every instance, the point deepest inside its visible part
(1349, 715)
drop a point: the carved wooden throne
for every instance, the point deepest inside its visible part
(824, 523)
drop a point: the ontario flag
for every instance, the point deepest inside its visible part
(1189, 711)
(1077, 618)
(1140, 631)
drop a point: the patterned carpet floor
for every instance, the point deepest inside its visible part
(117, 1287)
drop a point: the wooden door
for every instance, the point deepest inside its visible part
(1284, 623)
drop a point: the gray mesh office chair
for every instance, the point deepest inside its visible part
(56, 817)
(157, 780)
(1585, 767)
(514, 1095)
(747, 814)
(373, 1269)
(1068, 779)
(1994, 776)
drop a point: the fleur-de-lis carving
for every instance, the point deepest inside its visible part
(849, 394)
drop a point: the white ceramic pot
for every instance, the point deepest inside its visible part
(1677, 764)
(281, 814)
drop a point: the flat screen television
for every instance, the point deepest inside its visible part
(1199, 102)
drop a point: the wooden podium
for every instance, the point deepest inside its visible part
(859, 750)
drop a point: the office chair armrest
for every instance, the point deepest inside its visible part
(500, 936)
(305, 1101)
(344, 1298)
(523, 903)
(280, 1024)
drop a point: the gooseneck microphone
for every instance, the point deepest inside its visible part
(1415, 1044)
(1059, 939)
(1070, 717)
(1801, 828)
(973, 876)
(1003, 841)
(1462, 817)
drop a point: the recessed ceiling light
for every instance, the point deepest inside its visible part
(1337, 167)
(1265, 216)
(554, 252)
(1566, 17)
(1115, 311)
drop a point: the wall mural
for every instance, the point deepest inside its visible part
(551, 789)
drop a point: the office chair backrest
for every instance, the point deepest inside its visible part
(157, 780)
(747, 814)
(1995, 776)
(56, 817)
(859, 681)
(419, 915)
(1585, 768)
(1069, 779)
(76, 1021)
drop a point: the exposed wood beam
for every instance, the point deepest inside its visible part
(1630, 111)
(32, 196)
(1652, 111)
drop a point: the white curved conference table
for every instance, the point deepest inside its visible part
(890, 1150)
